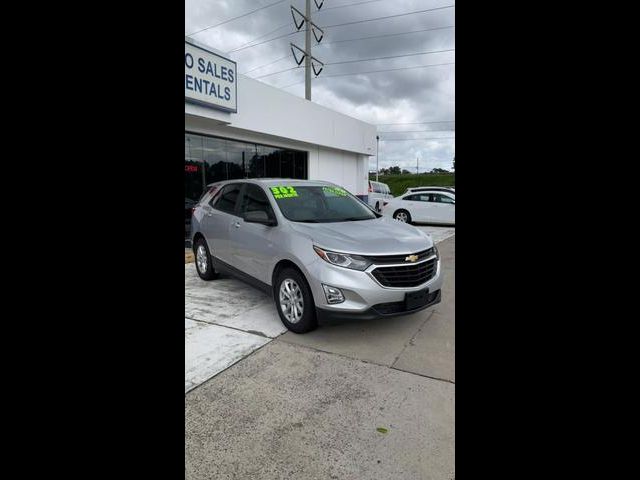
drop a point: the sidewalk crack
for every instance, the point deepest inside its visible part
(411, 339)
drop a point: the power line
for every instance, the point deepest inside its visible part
(388, 16)
(375, 71)
(267, 64)
(266, 41)
(348, 5)
(363, 60)
(416, 123)
(391, 56)
(412, 139)
(339, 25)
(416, 131)
(275, 73)
(246, 45)
(239, 16)
(387, 35)
(240, 47)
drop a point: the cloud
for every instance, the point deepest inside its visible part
(405, 96)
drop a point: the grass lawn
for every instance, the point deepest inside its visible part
(399, 183)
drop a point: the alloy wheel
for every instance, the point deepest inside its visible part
(291, 300)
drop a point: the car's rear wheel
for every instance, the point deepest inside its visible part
(402, 216)
(204, 265)
(294, 301)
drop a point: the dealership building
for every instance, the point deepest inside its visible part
(236, 127)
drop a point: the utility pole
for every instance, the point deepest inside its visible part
(417, 162)
(377, 155)
(309, 60)
(307, 49)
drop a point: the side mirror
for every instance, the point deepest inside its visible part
(259, 216)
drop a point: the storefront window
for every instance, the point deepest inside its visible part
(212, 159)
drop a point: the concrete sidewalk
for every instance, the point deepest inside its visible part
(310, 406)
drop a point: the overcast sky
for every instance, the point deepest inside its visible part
(404, 96)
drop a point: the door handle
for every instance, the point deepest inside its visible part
(237, 224)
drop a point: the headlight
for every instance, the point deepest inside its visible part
(435, 250)
(354, 262)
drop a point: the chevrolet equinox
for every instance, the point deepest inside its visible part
(316, 249)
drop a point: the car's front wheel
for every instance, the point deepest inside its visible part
(402, 216)
(204, 265)
(294, 301)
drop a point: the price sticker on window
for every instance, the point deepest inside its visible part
(335, 191)
(283, 192)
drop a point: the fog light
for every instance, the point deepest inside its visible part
(333, 294)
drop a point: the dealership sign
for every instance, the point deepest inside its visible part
(209, 78)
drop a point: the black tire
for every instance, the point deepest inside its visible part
(209, 273)
(395, 215)
(377, 206)
(308, 321)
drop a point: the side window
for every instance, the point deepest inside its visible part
(411, 198)
(254, 199)
(444, 199)
(226, 200)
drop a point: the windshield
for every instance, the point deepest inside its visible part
(319, 204)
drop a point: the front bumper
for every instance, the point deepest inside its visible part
(364, 296)
(382, 310)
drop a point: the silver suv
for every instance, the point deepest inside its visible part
(317, 249)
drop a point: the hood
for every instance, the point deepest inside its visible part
(380, 236)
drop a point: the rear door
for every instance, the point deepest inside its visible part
(251, 244)
(219, 214)
(444, 208)
(424, 207)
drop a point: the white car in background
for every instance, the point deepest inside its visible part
(423, 206)
(431, 189)
(378, 194)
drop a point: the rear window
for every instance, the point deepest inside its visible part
(209, 194)
(226, 201)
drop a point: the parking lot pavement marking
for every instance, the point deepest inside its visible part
(231, 303)
(210, 349)
(438, 233)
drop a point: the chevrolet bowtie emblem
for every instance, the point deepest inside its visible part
(411, 258)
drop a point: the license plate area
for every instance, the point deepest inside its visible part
(413, 300)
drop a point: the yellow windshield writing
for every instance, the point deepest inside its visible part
(283, 192)
(337, 191)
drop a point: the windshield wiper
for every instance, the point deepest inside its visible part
(310, 220)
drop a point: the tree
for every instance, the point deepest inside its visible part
(439, 170)
(394, 170)
(405, 172)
